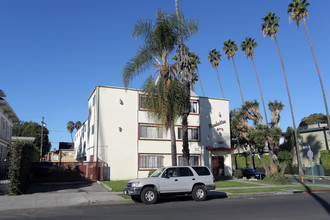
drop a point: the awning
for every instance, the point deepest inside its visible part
(219, 149)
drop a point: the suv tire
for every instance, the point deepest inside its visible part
(149, 195)
(199, 193)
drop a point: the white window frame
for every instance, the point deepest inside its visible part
(194, 107)
(191, 133)
(151, 161)
(147, 131)
(141, 98)
(193, 160)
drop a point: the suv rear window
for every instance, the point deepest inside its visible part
(202, 171)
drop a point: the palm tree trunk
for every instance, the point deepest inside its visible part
(265, 165)
(223, 96)
(239, 85)
(262, 97)
(185, 79)
(185, 144)
(301, 172)
(173, 145)
(318, 71)
(200, 82)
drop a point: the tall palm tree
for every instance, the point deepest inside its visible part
(184, 77)
(270, 28)
(214, 58)
(194, 60)
(298, 11)
(248, 46)
(77, 125)
(160, 38)
(70, 126)
(230, 49)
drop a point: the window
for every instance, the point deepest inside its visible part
(148, 161)
(94, 100)
(185, 171)
(151, 131)
(193, 161)
(194, 107)
(143, 102)
(202, 171)
(67, 153)
(193, 134)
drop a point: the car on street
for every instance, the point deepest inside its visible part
(252, 173)
(193, 180)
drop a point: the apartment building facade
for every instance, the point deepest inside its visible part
(120, 132)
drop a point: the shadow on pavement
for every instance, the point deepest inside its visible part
(212, 195)
(321, 201)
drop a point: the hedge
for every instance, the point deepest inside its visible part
(23, 154)
(325, 161)
(244, 162)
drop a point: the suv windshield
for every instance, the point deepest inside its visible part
(157, 172)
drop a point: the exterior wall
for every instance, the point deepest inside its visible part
(67, 156)
(117, 118)
(318, 140)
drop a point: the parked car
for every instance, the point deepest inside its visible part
(196, 181)
(249, 172)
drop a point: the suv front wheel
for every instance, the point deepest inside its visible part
(199, 193)
(149, 195)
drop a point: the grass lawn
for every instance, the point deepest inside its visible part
(117, 186)
(221, 184)
(272, 189)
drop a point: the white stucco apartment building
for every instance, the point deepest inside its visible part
(121, 133)
(7, 118)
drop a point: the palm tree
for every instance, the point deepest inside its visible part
(184, 77)
(194, 60)
(77, 125)
(214, 58)
(160, 38)
(230, 49)
(270, 28)
(298, 12)
(70, 126)
(248, 46)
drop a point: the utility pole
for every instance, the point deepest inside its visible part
(42, 135)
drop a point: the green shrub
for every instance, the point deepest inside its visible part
(238, 174)
(276, 178)
(23, 154)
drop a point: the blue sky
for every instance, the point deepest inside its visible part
(53, 53)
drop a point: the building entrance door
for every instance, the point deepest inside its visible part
(218, 166)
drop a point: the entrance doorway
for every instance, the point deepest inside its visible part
(218, 166)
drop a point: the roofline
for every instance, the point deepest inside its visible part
(139, 90)
(9, 112)
(314, 129)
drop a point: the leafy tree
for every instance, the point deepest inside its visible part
(286, 150)
(214, 58)
(70, 127)
(33, 129)
(312, 119)
(298, 11)
(230, 49)
(270, 28)
(248, 46)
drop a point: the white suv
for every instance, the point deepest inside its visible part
(194, 180)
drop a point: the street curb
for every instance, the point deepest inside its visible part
(105, 186)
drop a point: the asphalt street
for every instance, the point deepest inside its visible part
(302, 206)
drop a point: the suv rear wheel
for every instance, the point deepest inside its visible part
(149, 195)
(199, 193)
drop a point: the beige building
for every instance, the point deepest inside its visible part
(120, 132)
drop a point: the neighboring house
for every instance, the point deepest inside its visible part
(120, 132)
(318, 138)
(65, 153)
(7, 118)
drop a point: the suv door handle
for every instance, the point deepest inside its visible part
(176, 180)
(193, 179)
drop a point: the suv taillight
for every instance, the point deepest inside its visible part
(213, 180)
